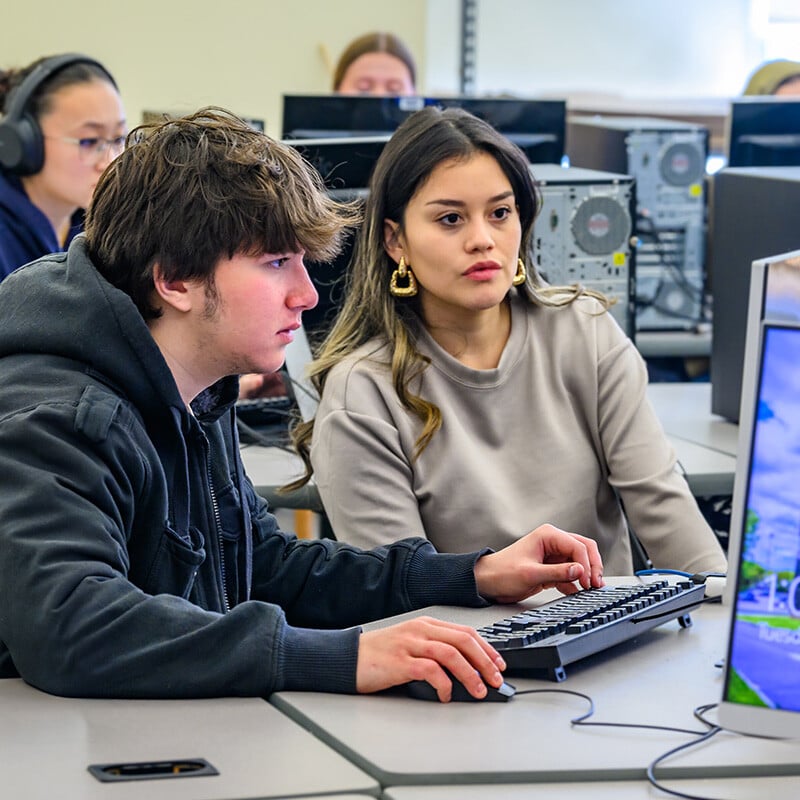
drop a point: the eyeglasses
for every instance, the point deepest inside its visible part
(92, 148)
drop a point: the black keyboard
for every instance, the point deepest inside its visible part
(539, 642)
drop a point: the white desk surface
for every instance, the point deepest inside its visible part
(730, 788)
(47, 743)
(657, 679)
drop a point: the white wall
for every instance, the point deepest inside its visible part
(646, 48)
(176, 55)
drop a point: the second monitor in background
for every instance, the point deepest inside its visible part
(764, 132)
(754, 215)
(345, 164)
(537, 126)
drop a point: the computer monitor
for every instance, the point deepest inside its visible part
(754, 215)
(764, 132)
(761, 694)
(537, 126)
(345, 163)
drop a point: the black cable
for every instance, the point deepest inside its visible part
(251, 436)
(700, 736)
(673, 266)
(581, 720)
(653, 764)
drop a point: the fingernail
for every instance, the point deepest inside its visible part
(500, 663)
(572, 573)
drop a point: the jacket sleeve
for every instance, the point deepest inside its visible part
(642, 466)
(327, 584)
(74, 622)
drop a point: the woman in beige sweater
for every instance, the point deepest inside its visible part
(463, 400)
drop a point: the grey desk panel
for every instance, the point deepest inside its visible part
(47, 743)
(673, 343)
(730, 788)
(271, 466)
(707, 471)
(685, 412)
(657, 679)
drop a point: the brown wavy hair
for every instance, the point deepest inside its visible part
(189, 191)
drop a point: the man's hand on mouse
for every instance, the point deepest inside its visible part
(544, 559)
(419, 649)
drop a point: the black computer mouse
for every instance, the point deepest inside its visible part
(422, 690)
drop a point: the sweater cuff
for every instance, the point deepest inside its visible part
(444, 579)
(318, 660)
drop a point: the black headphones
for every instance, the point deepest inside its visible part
(21, 139)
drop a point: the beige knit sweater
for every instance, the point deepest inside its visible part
(559, 432)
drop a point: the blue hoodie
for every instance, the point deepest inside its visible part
(25, 232)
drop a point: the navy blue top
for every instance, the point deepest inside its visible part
(25, 232)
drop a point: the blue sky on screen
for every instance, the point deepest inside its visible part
(774, 492)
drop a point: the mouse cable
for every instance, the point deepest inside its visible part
(651, 767)
(700, 736)
(694, 577)
(581, 720)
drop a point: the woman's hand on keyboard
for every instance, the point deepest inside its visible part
(544, 559)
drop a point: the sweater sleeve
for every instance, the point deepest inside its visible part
(642, 465)
(363, 474)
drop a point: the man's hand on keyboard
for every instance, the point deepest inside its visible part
(544, 559)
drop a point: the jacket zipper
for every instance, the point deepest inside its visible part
(221, 543)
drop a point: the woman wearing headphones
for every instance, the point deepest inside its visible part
(62, 123)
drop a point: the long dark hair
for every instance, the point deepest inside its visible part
(424, 141)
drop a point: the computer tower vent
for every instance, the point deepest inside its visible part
(601, 225)
(682, 164)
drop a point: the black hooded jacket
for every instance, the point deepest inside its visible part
(135, 558)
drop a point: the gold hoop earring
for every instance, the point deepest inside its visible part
(403, 282)
(521, 274)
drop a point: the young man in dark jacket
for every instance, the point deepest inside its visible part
(135, 558)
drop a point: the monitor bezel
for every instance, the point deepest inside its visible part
(740, 717)
(341, 109)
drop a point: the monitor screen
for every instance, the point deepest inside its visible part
(345, 163)
(762, 688)
(537, 126)
(764, 132)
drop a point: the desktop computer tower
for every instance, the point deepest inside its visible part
(753, 216)
(583, 233)
(667, 160)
